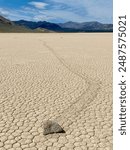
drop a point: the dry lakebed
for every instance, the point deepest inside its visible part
(61, 77)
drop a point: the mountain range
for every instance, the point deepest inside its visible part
(44, 26)
(7, 26)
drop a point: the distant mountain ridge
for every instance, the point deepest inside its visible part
(45, 27)
(93, 25)
(70, 26)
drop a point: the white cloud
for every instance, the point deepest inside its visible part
(14, 14)
(62, 15)
(41, 17)
(39, 5)
(4, 12)
(91, 9)
(63, 10)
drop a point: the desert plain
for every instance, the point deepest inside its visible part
(65, 77)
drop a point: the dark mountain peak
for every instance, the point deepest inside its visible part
(50, 26)
(22, 21)
(39, 24)
(70, 22)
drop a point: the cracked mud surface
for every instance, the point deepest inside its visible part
(61, 77)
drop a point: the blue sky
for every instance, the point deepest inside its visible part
(58, 10)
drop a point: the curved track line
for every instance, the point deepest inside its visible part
(78, 105)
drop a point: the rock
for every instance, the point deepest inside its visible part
(51, 127)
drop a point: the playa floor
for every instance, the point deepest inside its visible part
(61, 77)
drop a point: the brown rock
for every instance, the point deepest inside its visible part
(51, 127)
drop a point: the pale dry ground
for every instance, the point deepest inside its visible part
(62, 77)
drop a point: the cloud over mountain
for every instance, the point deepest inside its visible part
(39, 5)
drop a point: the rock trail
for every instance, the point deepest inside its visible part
(83, 101)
